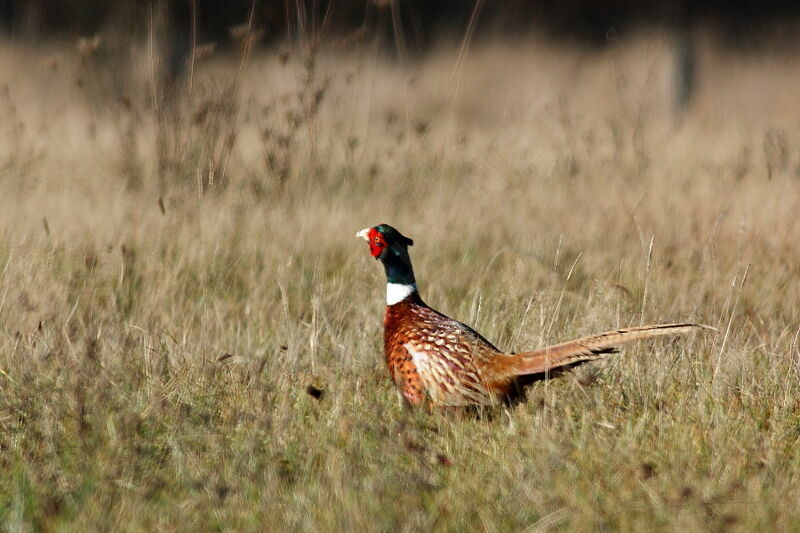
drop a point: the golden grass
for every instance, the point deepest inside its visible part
(159, 330)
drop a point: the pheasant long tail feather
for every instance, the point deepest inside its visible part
(593, 347)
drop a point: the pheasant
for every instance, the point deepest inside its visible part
(434, 358)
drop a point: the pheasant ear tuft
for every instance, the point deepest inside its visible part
(393, 236)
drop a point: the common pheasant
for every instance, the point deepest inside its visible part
(435, 358)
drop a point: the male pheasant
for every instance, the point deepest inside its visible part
(435, 358)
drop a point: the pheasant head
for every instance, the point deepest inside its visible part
(391, 247)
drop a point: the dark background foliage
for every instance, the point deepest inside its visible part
(421, 22)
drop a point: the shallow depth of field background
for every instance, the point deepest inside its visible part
(191, 336)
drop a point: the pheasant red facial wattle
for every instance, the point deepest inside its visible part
(377, 242)
(435, 359)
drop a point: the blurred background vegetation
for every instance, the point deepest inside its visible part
(403, 27)
(421, 21)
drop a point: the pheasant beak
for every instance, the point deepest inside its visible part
(364, 234)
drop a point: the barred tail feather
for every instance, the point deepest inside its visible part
(593, 347)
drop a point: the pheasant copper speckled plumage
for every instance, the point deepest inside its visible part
(435, 358)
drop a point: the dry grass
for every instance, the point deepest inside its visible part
(159, 330)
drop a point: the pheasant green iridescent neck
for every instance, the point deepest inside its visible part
(398, 268)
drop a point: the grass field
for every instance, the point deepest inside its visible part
(178, 275)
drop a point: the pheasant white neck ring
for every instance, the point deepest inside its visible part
(397, 292)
